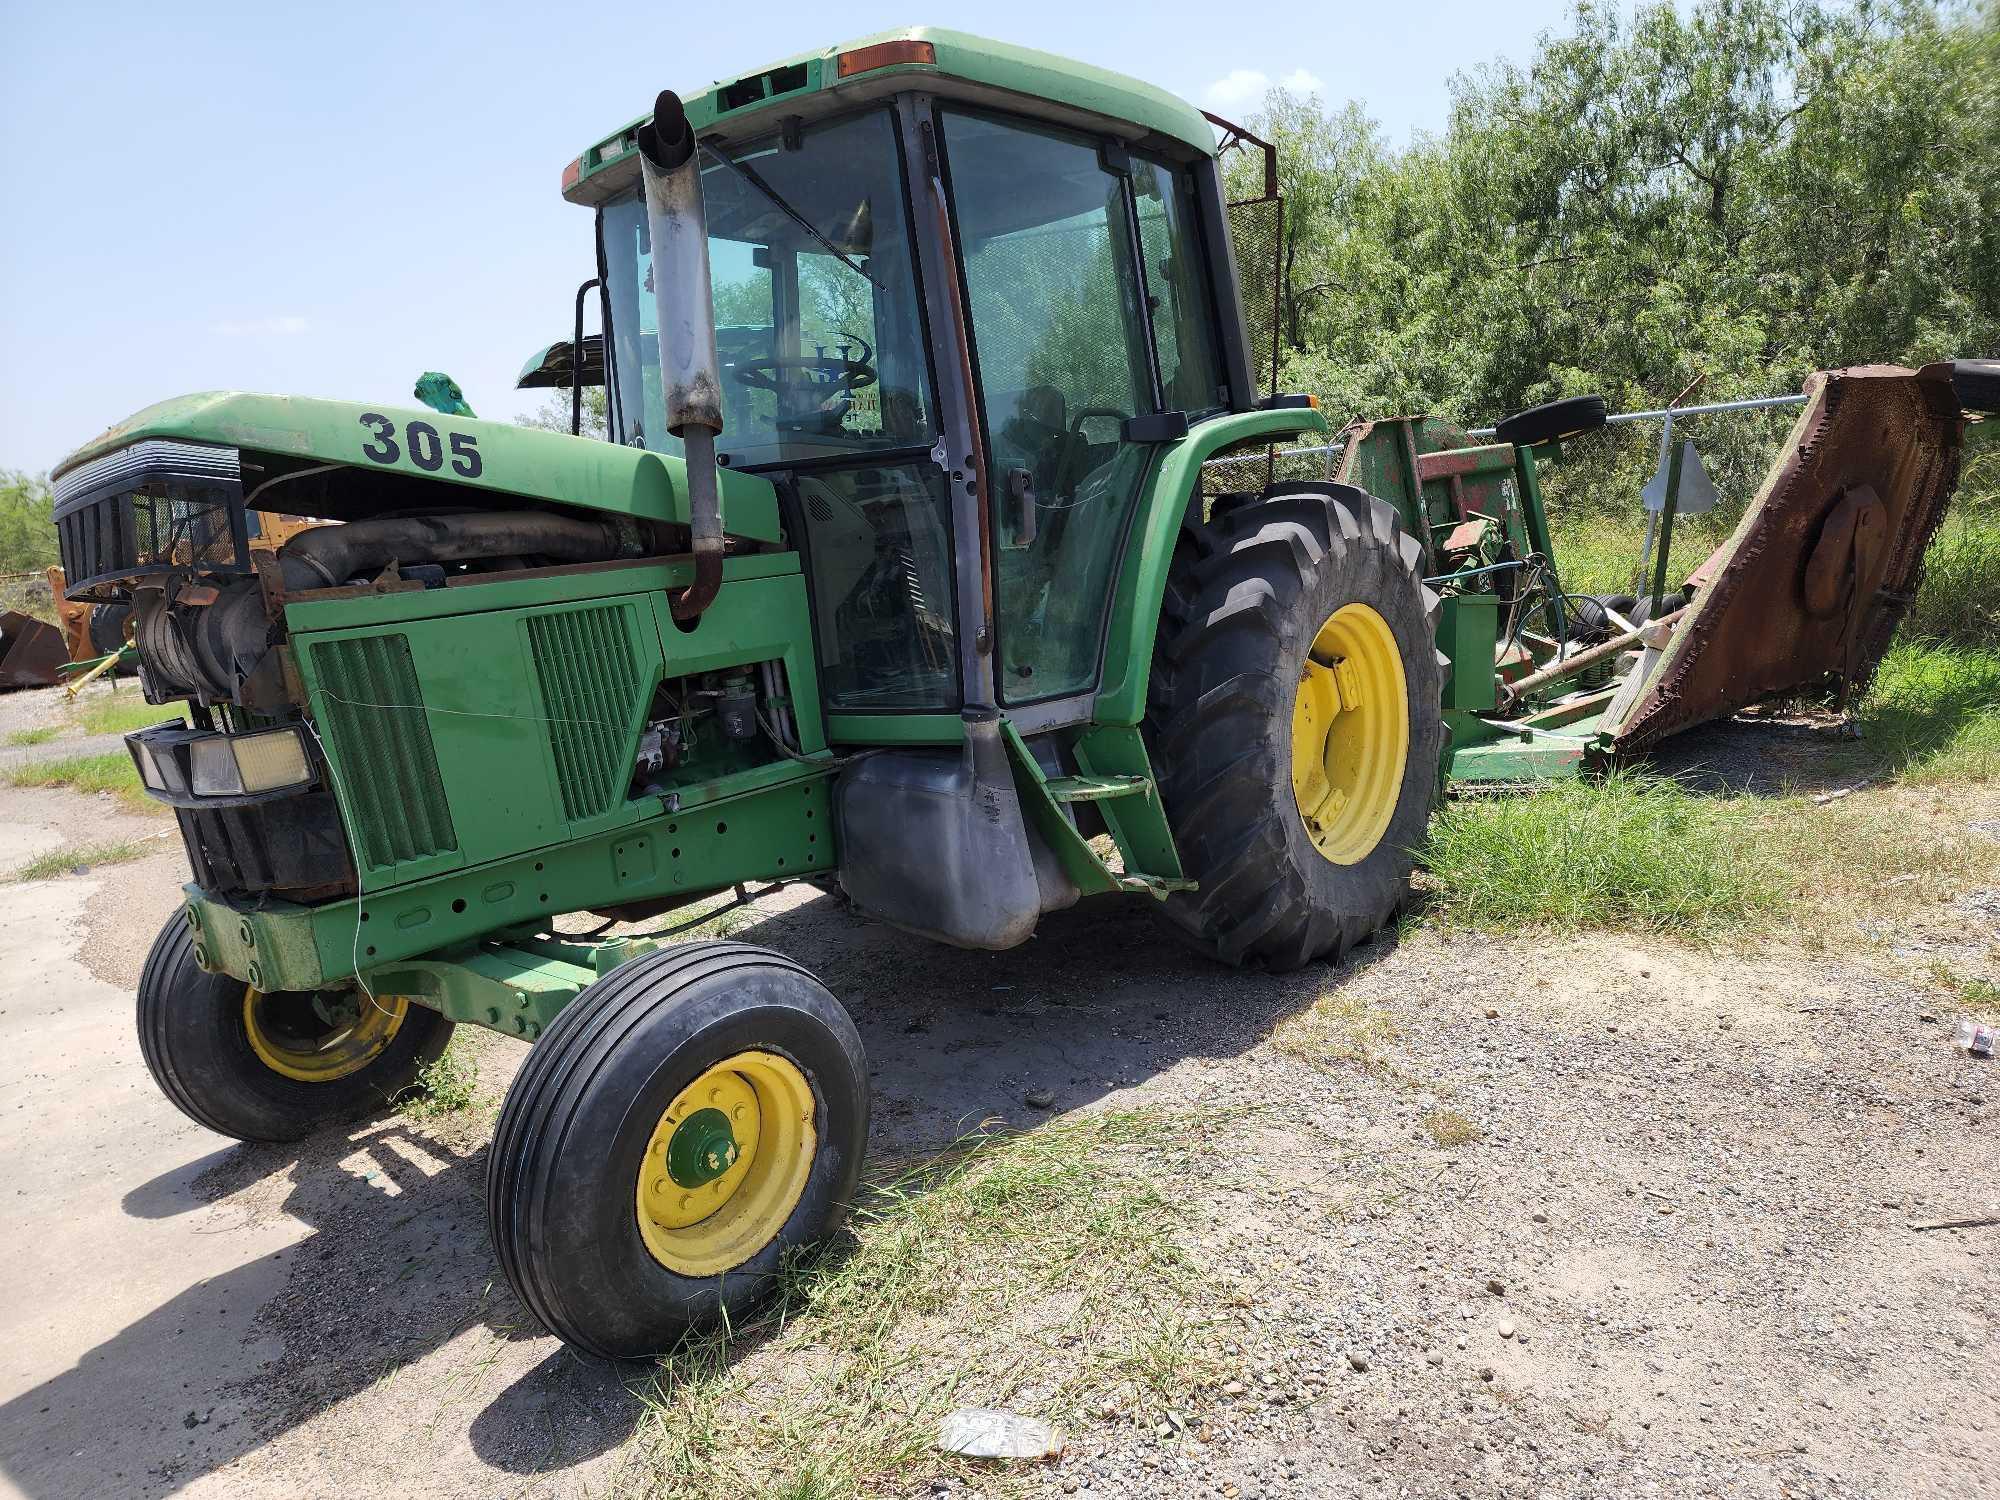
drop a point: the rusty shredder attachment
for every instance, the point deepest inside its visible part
(1827, 558)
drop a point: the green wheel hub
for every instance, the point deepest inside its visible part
(702, 1148)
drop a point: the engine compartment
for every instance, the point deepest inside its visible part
(383, 769)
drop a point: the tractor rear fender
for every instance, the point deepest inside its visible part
(1172, 481)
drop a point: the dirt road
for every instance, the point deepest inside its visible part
(1608, 1218)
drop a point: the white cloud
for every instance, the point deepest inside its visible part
(1245, 88)
(1238, 87)
(261, 327)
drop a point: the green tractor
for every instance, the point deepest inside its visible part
(904, 582)
(898, 571)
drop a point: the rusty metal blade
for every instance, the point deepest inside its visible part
(1825, 560)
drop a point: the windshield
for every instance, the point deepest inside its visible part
(822, 356)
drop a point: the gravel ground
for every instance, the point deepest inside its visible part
(1673, 1247)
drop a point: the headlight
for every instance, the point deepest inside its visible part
(267, 762)
(235, 765)
(148, 771)
(215, 773)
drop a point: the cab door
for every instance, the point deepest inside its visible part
(1063, 363)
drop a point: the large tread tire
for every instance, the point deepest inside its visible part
(107, 627)
(576, 1124)
(193, 1037)
(1246, 593)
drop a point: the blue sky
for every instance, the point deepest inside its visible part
(330, 199)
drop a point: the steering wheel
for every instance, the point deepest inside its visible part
(833, 374)
(822, 370)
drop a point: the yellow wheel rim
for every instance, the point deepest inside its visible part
(726, 1164)
(312, 1045)
(1350, 734)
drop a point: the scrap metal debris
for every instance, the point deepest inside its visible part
(30, 651)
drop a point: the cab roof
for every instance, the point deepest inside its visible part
(815, 83)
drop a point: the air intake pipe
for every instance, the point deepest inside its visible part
(327, 556)
(689, 368)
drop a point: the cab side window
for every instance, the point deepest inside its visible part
(1177, 285)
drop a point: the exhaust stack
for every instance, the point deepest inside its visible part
(689, 368)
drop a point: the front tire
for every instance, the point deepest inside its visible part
(1297, 721)
(680, 1126)
(272, 1067)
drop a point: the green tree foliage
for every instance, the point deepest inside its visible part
(1742, 190)
(553, 414)
(27, 534)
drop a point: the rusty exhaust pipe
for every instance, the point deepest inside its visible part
(689, 368)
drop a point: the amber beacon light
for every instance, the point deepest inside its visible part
(885, 55)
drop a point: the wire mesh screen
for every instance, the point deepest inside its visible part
(1055, 317)
(1257, 232)
(1247, 472)
(154, 505)
(125, 533)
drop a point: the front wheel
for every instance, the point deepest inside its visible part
(273, 1067)
(1296, 721)
(681, 1124)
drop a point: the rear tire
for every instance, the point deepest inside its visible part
(1249, 594)
(586, 1194)
(196, 1032)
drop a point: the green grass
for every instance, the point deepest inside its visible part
(1631, 851)
(41, 734)
(1959, 600)
(447, 1085)
(79, 856)
(1980, 998)
(1597, 552)
(121, 713)
(111, 772)
(1933, 712)
(1038, 1271)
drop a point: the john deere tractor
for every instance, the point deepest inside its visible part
(895, 572)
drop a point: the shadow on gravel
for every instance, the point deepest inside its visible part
(397, 1262)
(1767, 757)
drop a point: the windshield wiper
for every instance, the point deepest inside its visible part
(751, 176)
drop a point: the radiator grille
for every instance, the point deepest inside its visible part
(590, 686)
(378, 730)
(151, 506)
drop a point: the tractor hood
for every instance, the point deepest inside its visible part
(281, 434)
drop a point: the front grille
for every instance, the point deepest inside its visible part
(154, 505)
(590, 683)
(378, 732)
(289, 846)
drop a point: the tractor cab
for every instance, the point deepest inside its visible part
(954, 324)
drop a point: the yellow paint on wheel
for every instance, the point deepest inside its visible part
(1350, 734)
(320, 1043)
(726, 1164)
